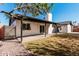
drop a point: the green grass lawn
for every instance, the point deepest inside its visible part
(57, 45)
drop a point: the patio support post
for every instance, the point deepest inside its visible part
(56, 29)
(21, 30)
(15, 31)
(45, 29)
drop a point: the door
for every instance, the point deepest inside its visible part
(42, 28)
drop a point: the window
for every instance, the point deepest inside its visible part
(26, 26)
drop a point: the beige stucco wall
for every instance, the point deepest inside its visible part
(18, 28)
(69, 28)
(50, 29)
(35, 28)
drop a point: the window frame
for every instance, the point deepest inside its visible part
(26, 26)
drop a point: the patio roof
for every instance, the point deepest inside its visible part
(19, 17)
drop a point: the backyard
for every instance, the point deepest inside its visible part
(57, 45)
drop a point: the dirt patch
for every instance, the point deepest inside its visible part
(12, 48)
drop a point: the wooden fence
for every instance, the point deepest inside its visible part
(2, 32)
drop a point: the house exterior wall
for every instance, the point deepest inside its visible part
(18, 28)
(66, 28)
(35, 28)
(69, 28)
(63, 28)
(50, 29)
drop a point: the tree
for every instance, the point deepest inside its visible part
(34, 8)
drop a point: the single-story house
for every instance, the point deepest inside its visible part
(65, 27)
(31, 26)
(35, 26)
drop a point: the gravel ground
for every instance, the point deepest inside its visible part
(12, 48)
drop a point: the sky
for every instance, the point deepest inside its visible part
(66, 12)
(61, 12)
(5, 7)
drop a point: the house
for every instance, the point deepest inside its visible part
(65, 27)
(30, 26)
(26, 26)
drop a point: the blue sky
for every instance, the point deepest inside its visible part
(61, 12)
(5, 7)
(66, 12)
